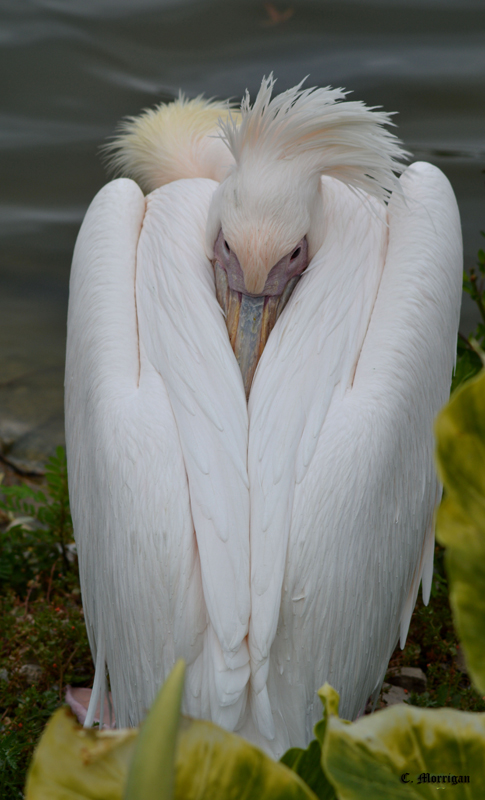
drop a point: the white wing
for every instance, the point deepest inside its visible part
(134, 374)
(341, 444)
(187, 342)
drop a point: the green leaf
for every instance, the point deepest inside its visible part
(330, 701)
(151, 775)
(468, 364)
(307, 764)
(460, 527)
(405, 752)
(213, 764)
(72, 763)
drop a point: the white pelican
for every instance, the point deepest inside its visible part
(279, 542)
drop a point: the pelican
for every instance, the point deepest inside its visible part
(256, 351)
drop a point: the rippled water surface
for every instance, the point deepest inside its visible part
(72, 68)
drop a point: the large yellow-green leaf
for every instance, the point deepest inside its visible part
(151, 774)
(215, 765)
(72, 763)
(460, 526)
(405, 753)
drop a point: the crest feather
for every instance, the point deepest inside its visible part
(171, 141)
(346, 140)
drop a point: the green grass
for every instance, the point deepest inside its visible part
(469, 359)
(433, 645)
(41, 617)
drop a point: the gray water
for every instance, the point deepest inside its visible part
(72, 68)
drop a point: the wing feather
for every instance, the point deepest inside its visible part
(361, 526)
(190, 349)
(120, 434)
(140, 568)
(308, 362)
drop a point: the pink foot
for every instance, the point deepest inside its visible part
(78, 701)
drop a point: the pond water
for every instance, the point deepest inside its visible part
(72, 68)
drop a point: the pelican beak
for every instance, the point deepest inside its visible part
(249, 320)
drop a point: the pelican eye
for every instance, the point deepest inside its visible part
(295, 253)
(227, 246)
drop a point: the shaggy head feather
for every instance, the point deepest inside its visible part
(172, 141)
(268, 158)
(281, 146)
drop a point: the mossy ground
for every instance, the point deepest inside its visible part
(433, 645)
(42, 632)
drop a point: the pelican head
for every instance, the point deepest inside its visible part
(267, 217)
(263, 229)
(266, 220)
(265, 214)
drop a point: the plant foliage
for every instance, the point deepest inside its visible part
(434, 646)
(42, 631)
(404, 753)
(202, 762)
(468, 360)
(460, 430)
(40, 527)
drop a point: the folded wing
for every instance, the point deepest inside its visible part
(186, 340)
(135, 375)
(341, 450)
